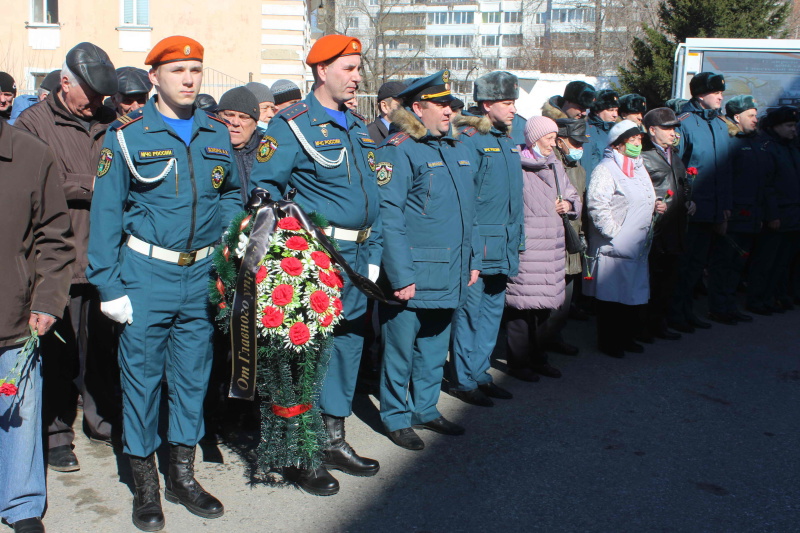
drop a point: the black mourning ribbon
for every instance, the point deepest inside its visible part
(244, 319)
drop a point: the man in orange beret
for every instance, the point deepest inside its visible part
(167, 186)
(322, 148)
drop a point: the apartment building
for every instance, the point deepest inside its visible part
(244, 40)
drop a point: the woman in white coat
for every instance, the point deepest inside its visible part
(621, 204)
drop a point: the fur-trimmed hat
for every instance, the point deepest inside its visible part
(739, 104)
(606, 99)
(499, 85)
(676, 104)
(780, 116)
(706, 82)
(632, 103)
(580, 93)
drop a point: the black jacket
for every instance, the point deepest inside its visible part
(670, 231)
(378, 131)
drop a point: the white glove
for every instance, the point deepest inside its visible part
(119, 310)
(242, 246)
(374, 272)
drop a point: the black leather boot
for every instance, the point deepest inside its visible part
(183, 488)
(147, 514)
(339, 455)
(318, 482)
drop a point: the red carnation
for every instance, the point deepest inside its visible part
(272, 317)
(588, 278)
(319, 301)
(261, 275)
(299, 334)
(745, 213)
(321, 259)
(289, 223)
(8, 389)
(326, 320)
(669, 193)
(283, 294)
(292, 265)
(296, 243)
(337, 277)
(327, 279)
(337, 306)
(692, 171)
(745, 255)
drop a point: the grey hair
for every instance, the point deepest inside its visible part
(67, 73)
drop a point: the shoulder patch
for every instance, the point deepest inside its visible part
(383, 171)
(469, 131)
(293, 111)
(359, 116)
(266, 149)
(683, 116)
(398, 138)
(126, 120)
(105, 162)
(215, 117)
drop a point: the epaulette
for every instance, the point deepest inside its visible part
(293, 111)
(683, 116)
(126, 120)
(359, 116)
(469, 131)
(397, 138)
(215, 117)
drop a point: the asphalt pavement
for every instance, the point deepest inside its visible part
(696, 435)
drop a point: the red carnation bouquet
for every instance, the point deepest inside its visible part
(298, 289)
(9, 385)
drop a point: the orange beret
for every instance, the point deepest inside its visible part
(175, 48)
(331, 46)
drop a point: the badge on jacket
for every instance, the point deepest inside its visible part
(217, 176)
(105, 162)
(266, 149)
(384, 173)
(371, 160)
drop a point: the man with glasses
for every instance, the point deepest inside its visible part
(240, 109)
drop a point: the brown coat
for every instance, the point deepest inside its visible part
(77, 154)
(36, 249)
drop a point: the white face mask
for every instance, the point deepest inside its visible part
(263, 125)
(536, 150)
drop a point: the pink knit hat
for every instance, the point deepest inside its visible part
(538, 127)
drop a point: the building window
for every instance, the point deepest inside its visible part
(135, 12)
(450, 41)
(490, 40)
(512, 40)
(541, 18)
(513, 17)
(352, 22)
(45, 11)
(373, 2)
(451, 17)
(351, 3)
(574, 15)
(491, 18)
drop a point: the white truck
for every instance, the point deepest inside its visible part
(768, 69)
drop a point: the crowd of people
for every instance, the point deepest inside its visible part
(479, 224)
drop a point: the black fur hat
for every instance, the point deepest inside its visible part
(776, 117)
(580, 92)
(498, 85)
(706, 82)
(632, 103)
(606, 99)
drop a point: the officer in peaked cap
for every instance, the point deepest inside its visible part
(486, 130)
(134, 87)
(321, 148)
(167, 187)
(430, 255)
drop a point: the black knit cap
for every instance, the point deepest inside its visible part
(52, 81)
(7, 83)
(241, 100)
(606, 99)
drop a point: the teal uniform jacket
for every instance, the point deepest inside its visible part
(753, 174)
(187, 210)
(705, 145)
(430, 233)
(498, 189)
(593, 150)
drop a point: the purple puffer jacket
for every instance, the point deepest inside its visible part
(542, 266)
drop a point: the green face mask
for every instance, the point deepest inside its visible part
(633, 150)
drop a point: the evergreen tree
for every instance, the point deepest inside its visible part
(649, 73)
